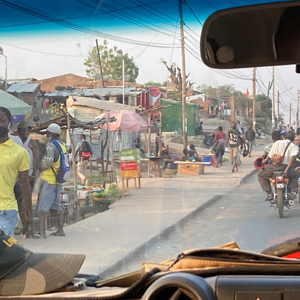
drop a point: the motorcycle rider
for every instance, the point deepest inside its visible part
(279, 148)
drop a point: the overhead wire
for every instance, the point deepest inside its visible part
(75, 17)
(127, 17)
(42, 15)
(42, 52)
(187, 4)
(137, 18)
(260, 78)
(156, 10)
(148, 8)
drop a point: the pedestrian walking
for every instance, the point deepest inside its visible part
(84, 150)
(233, 143)
(250, 138)
(50, 188)
(33, 151)
(14, 164)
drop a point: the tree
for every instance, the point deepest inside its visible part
(265, 104)
(176, 78)
(111, 64)
(224, 92)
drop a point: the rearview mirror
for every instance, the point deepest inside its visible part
(252, 36)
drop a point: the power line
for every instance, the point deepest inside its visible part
(127, 17)
(76, 17)
(187, 27)
(41, 52)
(156, 10)
(212, 5)
(260, 78)
(79, 28)
(187, 4)
(137, 18)
(147, 7)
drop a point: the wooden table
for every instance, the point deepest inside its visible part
(190, 168)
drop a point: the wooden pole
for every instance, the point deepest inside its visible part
(290, 115)
(160, 136)
(232, 105)
(183, 84)
(73, 155)
(91, 157)
(100, 65)
(273, 99)
(149, 134)
(297, 113)
(253, 86)
(278, 101)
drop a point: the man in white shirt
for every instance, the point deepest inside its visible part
(279, 148)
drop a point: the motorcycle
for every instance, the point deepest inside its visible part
(279, 184)
(280, 200)
(208, 139)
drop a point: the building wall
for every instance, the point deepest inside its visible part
(172, 117)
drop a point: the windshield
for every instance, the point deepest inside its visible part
(97, 102)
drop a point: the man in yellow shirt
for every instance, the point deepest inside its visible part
(14, 163)
(50, 189)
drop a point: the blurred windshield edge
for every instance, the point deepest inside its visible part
(252, 36)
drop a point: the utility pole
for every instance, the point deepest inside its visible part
(253, 85)
(183, 85)
(278, 105)
(297, 113)
(100, 65)
(290, 114)
(273, 98)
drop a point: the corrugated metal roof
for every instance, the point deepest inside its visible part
(112, 91)
(194, 97)
(100, 92)
(64, 93)
(100, 104)
(23, 87)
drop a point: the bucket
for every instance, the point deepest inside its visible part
(207, 160)
(258, 163)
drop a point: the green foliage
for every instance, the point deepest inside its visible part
(225, 92)
(158, 84)
(111, 64)
(265, 104)
(111, 192)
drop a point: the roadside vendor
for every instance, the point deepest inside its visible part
(194, 151)
(191, 155)
(184, 156)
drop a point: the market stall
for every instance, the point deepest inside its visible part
(126, 121)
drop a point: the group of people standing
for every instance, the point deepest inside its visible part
(237, 140)
(20, 163)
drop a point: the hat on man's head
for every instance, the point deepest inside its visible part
(25, 273)
(54, 128)
(23, 125)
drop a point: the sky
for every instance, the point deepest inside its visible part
(51, 38)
